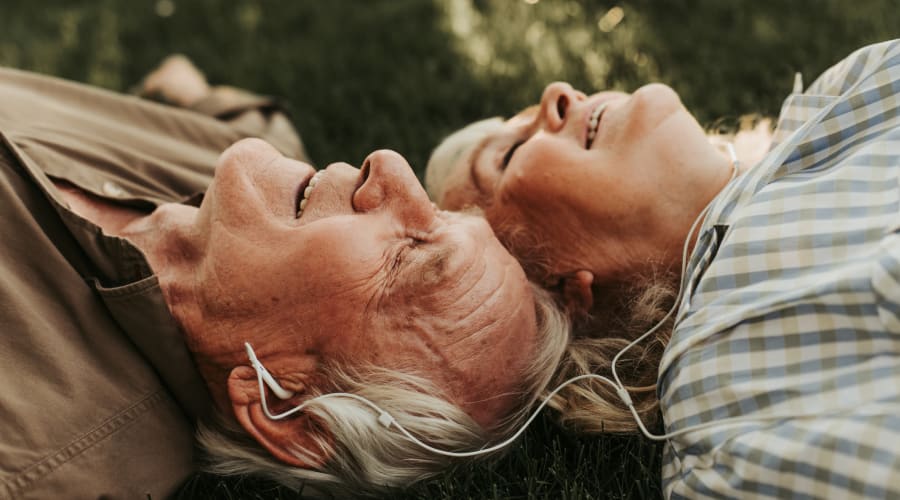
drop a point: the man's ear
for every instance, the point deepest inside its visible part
(279, 437)
(577, 296)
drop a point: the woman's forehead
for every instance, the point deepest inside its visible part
(447, 161)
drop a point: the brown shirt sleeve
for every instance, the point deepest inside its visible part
(257, 115)
(99, 395)
(83, 413)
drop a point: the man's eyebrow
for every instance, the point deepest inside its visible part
(435, 266)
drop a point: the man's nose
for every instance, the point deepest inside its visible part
(556, 101)
(387, 181)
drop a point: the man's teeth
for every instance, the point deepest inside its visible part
(308, 190)
(593, 122)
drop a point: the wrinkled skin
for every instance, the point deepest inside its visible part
(370, 272)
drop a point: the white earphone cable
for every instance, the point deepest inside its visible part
(387, 420)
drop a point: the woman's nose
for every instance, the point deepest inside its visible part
(387, 181)
(556, 101)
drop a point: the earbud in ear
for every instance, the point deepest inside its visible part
(267, 377)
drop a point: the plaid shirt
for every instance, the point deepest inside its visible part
(791, 316)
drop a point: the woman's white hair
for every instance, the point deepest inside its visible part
(366, 458)
(451, 151)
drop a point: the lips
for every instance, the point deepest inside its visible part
(593, 124)
(303, 192)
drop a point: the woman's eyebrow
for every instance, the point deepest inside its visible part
(476, 153)
(530, 110)
(473, 157)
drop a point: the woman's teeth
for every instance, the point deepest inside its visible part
(309, 189)
(593, 122)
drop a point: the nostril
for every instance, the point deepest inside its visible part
(562, 104)
(367, 195)
(364, 172)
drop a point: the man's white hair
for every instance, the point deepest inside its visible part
(366, 458)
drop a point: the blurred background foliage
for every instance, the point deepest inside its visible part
(401, 74)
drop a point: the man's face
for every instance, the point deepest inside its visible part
(370, 272)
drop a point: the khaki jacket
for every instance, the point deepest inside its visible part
(98, 393)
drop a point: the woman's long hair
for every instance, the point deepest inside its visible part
(621, 312)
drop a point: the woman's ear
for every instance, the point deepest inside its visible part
(577, 296)
(280, 437)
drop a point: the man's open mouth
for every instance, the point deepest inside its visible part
(304, 190)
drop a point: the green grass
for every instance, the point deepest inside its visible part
(401, 74)
(546, 464)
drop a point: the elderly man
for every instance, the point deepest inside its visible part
(132, 279)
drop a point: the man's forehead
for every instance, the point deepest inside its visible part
(477, 275)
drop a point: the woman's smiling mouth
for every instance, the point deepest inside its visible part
(593, 124)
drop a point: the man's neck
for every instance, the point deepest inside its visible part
(163, 236)
(110, 217)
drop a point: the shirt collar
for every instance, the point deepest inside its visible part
(141, 311)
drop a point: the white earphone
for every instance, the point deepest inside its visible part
(385, 418)
(264, 375)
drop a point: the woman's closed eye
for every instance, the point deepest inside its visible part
(508, 156)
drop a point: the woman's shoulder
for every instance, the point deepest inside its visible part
(860, 64)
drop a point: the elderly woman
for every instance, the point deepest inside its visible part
(781, 376)
(151, 283)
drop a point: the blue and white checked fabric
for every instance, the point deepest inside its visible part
(791, 318)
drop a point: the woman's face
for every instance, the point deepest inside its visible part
(603, 182)
(369, 272)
